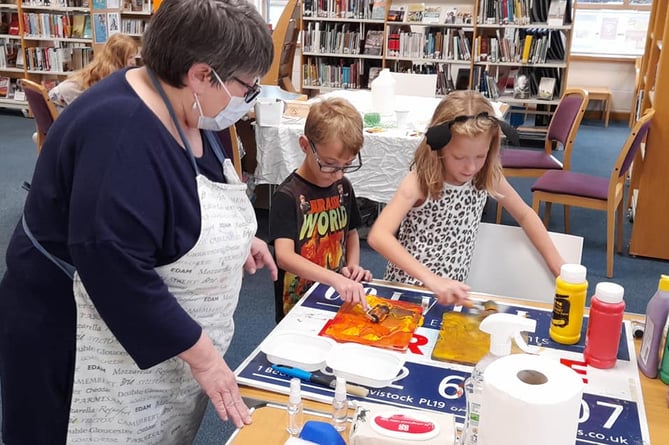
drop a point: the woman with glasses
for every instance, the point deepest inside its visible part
(124, 273)
(314, 215)
(427, 232)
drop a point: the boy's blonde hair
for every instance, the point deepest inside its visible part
(335, 119)
(114, 55)
(427, 162)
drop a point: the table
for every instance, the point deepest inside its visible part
(654, 396)
(386, 155)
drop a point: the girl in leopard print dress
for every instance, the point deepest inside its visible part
(428, 229)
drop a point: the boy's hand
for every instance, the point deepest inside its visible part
(350, 290)
(448, 291)
(356, 273)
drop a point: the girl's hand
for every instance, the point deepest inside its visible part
(448, 291)
(350, 290)
(356, 273)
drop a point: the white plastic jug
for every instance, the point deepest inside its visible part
(383, 93)
(268, 112)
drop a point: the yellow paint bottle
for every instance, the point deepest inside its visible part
(571, 289)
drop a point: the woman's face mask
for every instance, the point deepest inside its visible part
(235, 110)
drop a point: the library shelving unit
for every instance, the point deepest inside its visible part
(469, 44)
(46, 40)
(650, 237)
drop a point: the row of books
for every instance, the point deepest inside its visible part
(56, 60)
(335, 38)
(361, 9)
(318, 72)
(133, 26)
(430, 14)
(517, 46)
(448, 45)
(57, 25)
(552, 12)
(57, 3)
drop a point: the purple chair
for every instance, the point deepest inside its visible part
(532, 163)
(41, 107)
(593, 192)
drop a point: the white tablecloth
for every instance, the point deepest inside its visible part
(386, 156)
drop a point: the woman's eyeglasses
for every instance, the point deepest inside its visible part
(252, 91)
(326, 168)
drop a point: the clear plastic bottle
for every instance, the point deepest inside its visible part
(605, 323)
(571, 290)
(340, 405)
(657, 311)
(294, 408)
(502, 328)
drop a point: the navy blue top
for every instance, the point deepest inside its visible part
(115, 195)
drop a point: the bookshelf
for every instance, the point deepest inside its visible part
(469, 44)
(46, 40)
(650, 237)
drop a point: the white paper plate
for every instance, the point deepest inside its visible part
(298, 350)
(365, 365)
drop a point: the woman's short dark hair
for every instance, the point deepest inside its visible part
(228, 35)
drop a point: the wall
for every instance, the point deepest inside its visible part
(618, 75)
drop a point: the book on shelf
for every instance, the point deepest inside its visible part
(395, 14)
(5, 83)
(88, 33)
(432, 14)
(546, 88)
(373, 74)
(521, 87)
(373, 42)
(415, 12)
(378, 10)
(556, 12)
(100, 27)
(78, 23)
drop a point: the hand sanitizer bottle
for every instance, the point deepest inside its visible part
(294, 408)
(502, 328)
(340, 405)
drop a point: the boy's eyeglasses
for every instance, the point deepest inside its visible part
(252, 91)
(326, 168)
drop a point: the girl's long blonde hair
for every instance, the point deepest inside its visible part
(427, 162)
(113, 56)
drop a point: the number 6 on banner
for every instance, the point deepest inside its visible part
(450, 387)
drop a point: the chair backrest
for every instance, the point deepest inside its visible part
(409, 84)
(505, 262)
(630, 149)
(41, 107)
(284, 38)
(565, 122)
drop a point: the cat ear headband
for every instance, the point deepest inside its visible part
(440, 135)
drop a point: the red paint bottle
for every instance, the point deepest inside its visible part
(604, 325)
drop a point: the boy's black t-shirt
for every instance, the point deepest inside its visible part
(317, 219)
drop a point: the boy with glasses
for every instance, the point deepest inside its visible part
(314, 215)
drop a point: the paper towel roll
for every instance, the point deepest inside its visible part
(529, 400)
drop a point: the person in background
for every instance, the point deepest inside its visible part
(314, 215)
(119, 51)
(117, 304)
(427, 232)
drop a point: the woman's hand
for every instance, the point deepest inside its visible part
(356, 273)
(217, 381)
(448, 291)
(259, 257)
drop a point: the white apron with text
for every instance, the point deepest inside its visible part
(113, 401)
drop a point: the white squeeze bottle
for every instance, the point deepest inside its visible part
(383, 93)
(502, 328)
